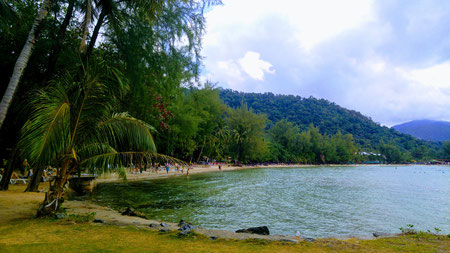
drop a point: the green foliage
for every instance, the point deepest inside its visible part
(283, 136)
(331, 119)
(247, 134)
(287, 144)
(446, 150)
(74, 120)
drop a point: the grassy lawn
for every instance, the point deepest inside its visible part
(42, 235)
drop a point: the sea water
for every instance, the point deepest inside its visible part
(328, 201)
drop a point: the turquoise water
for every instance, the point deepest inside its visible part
(317, 201)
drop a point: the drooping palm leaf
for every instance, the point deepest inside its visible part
(46, 134)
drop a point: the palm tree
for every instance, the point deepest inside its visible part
(22, 61)
(241, 137)
(73, 125)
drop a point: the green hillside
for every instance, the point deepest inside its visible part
(329, 118)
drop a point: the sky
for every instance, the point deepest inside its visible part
(389, 60)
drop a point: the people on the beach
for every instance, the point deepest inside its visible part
(167, 168)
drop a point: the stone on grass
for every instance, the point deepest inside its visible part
(263, 230)
(289, 240)
(309, 239)
(378, 234)
(99, 221)
(60, 216)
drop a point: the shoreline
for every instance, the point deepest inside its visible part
(147, 175)
(20, 205)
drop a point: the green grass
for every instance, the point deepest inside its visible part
(41, 235)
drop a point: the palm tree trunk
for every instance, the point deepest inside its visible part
(87, 22)
(99, 24)
(22, 61)
(201, 150)
(4, 184)
(52, 59)
(35, 180)
(54, 197)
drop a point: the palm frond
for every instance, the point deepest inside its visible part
(125, 133)
(46, 134)
(114, 161)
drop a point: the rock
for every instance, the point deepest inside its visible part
(163, 224)
(264, 230)
(153, 225)
(213, 238)
(99, 221)
(164, 230)
(378, 234)
(186, 227)
(289, 240)
(60, 216)
(309, 239)
(131, 212)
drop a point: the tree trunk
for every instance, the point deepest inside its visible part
(52, 59)
(22, 61)
(96, 32)
(201, 150)
(35, 180)
(53, 198)
(55, 195)
(4, 184)
(87, 22)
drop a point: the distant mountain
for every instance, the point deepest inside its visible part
(429, 130)
(327, 116)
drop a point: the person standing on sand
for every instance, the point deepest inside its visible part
(220, 167)
(167, 168)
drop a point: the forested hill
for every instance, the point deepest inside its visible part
(430, 130)
(327, 116)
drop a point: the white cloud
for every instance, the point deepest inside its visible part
(254, 66)
(435, 76)
(312, 21)
(361, 54)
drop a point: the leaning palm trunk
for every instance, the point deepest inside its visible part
(54, 197)
(22, 61)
